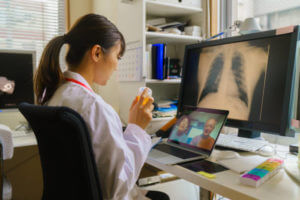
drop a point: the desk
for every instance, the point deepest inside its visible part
(226, 183)
(29, 140)
(24, 170)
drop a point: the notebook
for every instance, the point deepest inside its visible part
(192, 137)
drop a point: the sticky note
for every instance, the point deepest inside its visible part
(207, 175)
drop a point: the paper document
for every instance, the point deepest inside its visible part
(243, 163)
(155, 141)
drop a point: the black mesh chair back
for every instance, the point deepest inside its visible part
(1, 172)
(67, 159)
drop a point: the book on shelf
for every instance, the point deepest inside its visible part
(172, 25)
(153, 61)
(173, 68)
(156, 21)
(166, 103)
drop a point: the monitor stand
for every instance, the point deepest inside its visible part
(248, 134)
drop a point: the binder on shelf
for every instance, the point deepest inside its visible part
(160, 62)
(165, 64)
(158, 67)
(149, 60)
(153, 57)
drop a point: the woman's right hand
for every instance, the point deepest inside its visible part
(139, 113)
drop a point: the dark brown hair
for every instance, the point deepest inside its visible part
(88, 31)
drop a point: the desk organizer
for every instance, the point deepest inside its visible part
(262, 172)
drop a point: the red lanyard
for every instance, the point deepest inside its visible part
(79, 83)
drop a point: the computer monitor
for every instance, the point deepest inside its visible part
(252, 76)
(16, 78)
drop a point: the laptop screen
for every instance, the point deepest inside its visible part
(198, 128)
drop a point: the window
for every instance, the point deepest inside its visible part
(270, 13)
(30, 24)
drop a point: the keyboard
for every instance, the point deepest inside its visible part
(180, 153)
(240, 143)
(19, 133)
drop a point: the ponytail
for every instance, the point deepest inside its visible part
(89, 30)
(49, 75)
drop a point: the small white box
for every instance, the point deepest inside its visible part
(169, 1)
(192, 3)
(193, 33)
(192, 28)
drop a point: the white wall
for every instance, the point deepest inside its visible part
(107, 8)
(79, 8)
(269, 6)
(110, 92)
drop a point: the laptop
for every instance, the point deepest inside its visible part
(192, 137)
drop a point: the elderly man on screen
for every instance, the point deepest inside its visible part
(205, 141)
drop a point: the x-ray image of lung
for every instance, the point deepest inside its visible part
(230, 74)
(6, 86)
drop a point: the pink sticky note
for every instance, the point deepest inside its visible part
(284, 30)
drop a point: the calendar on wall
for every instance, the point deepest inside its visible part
(131, 65)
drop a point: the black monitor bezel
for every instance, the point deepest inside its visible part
(289, 85)
(33, 55)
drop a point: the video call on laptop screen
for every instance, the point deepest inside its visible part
(198, 128)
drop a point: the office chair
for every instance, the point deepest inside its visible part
(67, 159)
(1, 172)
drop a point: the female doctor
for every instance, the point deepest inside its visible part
(95, 46)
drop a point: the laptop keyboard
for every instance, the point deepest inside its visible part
(180, 153)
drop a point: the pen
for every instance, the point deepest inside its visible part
(219, 34)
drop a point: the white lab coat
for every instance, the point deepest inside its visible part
(119, 155)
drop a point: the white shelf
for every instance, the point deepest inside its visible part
(165, 81)
(164, 9)
(156, 37)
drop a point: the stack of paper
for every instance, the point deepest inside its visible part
(243, 163)
(165, 109)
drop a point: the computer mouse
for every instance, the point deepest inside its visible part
(266, 151)
(222, 155)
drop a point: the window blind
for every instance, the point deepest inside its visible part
(30, 24)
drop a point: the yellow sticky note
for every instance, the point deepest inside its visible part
(207, 175)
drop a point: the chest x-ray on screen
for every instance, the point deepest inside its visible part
(229, 75)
